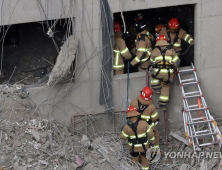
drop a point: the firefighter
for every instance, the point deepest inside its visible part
(148, 112)
(158, 28)
(163, 61)
(143, 47)
(139, 134)
(120, 50)
(175, 34)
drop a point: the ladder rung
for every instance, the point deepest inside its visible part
(186, 80)
(206, 144)
(188, 84)
(181, 72)
(199, 118)
(198, 109)
(203, 135)
(203, 131)
(194, 92)
(200, 122)
(193, 96)
(190, 106)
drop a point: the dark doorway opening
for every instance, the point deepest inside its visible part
(153, 17)
(31, 49)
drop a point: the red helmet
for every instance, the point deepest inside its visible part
(173, 23)
(161, 37)
(159, 27)
(131, 108)
(146, 93)
(117, 26)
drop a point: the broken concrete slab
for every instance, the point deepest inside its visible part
(35, 134)
(179, 137)
(17, 143)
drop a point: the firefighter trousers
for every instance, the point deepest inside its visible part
(143, 160)
(159, 82)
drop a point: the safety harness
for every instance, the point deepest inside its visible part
(163, 64)
(141, 107)
(176, 38)
(137, 140)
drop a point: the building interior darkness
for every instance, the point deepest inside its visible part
(28, 49)
(155, 16)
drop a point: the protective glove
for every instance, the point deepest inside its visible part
(150, 122)
(131, 68)
(192, 42)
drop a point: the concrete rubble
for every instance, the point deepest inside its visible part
(30, 141)
(64, 61)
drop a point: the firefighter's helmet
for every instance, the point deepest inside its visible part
(132, 111)
(161, 41)
(117, 26)
(140, 26)
(159, 27)
(173, 23)
(146, 93)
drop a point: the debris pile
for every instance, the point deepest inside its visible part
(178, 155)
(45, 144)
(7, 90)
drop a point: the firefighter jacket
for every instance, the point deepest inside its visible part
(157, 61)
(143, 48)
(143, 131)
(120, 51)
(147, 109)
(175, 38)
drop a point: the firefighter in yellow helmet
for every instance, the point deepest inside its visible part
(138, 133)
(120, 50)
(164, 60)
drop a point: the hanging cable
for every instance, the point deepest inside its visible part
(127, 96)
(124, 25)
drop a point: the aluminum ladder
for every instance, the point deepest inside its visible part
(199, 125)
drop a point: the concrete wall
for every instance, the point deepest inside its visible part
(83, 94)
(22, 11)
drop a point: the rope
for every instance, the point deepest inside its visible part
(127, 96)
(186, 51)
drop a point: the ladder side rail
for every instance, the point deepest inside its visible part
(217, 130)
(203, 100)
(188, 127)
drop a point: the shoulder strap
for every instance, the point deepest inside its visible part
(141, 107)
(168, 34)
(133, 126)
(163, 52)
(177, 37)
(142, 37)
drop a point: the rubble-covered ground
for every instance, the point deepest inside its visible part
(31, 141)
